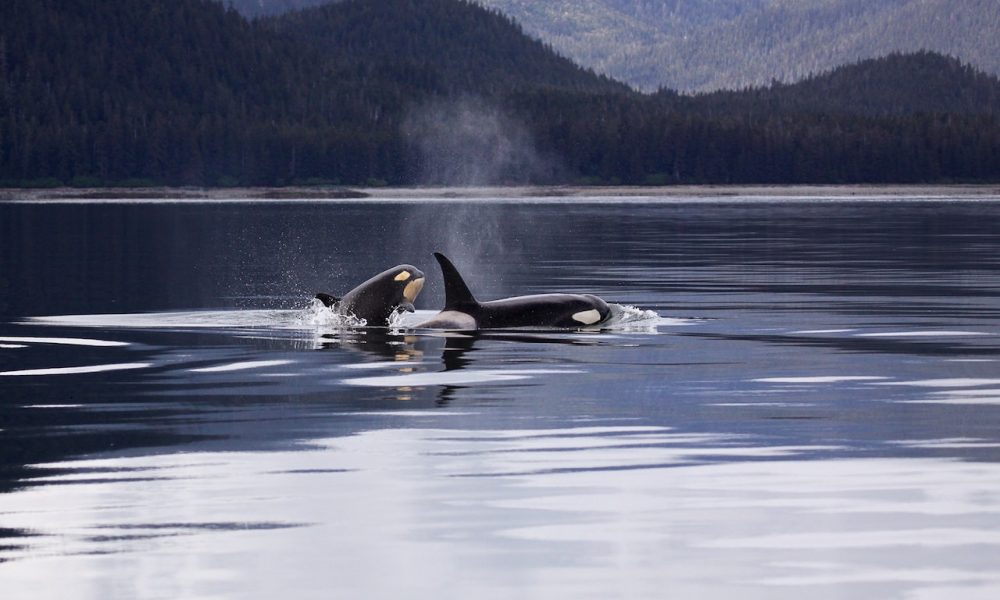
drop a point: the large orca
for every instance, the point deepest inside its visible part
(378, 298)
(462, 310)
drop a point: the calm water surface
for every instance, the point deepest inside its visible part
(809, 406)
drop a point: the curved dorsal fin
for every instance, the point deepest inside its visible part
(456, 293)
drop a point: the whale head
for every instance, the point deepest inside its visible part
(378, 298)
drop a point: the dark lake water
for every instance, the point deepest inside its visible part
(809, 406)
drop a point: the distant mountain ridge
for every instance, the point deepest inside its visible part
(704, 45)
(707, 45)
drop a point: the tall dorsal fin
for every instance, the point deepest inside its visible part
(456, 293)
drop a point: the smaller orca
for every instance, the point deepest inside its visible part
(463, 311)
(376, 300)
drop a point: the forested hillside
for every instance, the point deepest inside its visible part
(894, 85)
(258, 8)
(187, 92)
(177, 91)
(729, 44)
(448, 46)
(184, 91)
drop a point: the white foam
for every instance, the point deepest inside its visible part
(970, 360)
(243, 366)
(318, 315)
(411, 413)
(909, 334)
(957, 401)
(960, 588)
(891, 576)
(819, 379)
(408, 320)
(76, 370)
(625, 430)
(984, 397)
(842, 540)
(955, 382)
(63, 341)
(821, 331)
(762, 404)
(948, 443)
(625, 314)
(980, 392)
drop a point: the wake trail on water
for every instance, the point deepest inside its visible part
(316, 316)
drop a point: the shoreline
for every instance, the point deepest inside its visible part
(694, 192)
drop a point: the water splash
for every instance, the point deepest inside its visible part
(626, 314)
(402, 320)
(318, 315)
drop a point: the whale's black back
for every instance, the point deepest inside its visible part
(541, 310)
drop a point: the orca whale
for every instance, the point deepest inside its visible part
(462, 311)
(376, 300)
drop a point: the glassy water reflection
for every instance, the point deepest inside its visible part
(815, 410)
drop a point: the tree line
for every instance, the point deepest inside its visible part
(189, 92)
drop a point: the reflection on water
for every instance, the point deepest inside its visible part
(588, 511)
(806, 403)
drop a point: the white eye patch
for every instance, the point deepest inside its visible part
(413, 288)
(587, 317)
(402, 276)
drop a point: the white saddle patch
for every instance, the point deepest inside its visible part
(450, 319)
(587, 317)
